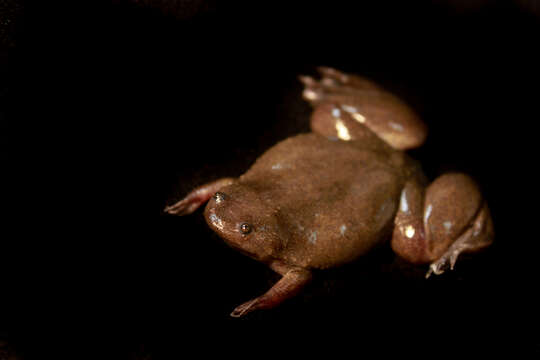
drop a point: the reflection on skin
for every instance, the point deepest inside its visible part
(218, 199)
(404, 205)
(310, 94)
(354, 113)
(396, 126)
(342, 131)
(358, 117)
(409, 231)
(447, 225)
(349, 109)
(216, 221)
(313, 237)
(427, 213)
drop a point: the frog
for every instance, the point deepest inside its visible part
(325, 198)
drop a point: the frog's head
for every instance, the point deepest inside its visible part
(240, 217)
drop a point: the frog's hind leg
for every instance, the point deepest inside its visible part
(436, 225)
(330, 120)
(367, 105)
(336, 78)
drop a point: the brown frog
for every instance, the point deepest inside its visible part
(323, 199)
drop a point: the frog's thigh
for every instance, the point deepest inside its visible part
(330, 120)
(436, 225)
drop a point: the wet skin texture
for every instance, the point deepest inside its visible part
(323, 199)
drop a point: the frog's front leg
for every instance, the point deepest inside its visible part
(293, 280)
(197, 197)
(436, 224)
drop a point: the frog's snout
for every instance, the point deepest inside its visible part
(217, 213)
(213, 218)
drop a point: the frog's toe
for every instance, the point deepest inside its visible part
(331, 83)
(441, 265)
(333, 74)
(464, 243)
(183, 207)
(445, 262)
(245, 308)
(313, 91)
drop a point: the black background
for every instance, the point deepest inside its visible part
(115, 109)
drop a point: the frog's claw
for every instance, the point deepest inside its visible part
(438, 267)
(448, 260)
(468, 241)
(245, 308)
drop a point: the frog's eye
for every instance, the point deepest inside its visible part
(245, 228)
(219, 197)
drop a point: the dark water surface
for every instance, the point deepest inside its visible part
(115, 109)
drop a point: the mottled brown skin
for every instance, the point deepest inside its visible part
(323, 199)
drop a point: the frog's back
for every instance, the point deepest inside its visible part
(336, 199)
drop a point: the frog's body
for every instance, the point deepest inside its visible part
(337, 210)
(322, 199)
